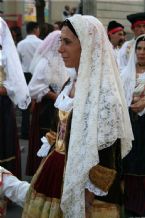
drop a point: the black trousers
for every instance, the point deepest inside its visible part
(25, 124)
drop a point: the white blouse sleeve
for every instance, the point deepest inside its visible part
(14, 189)
(92, 188)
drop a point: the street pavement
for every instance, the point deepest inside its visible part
(14, 211)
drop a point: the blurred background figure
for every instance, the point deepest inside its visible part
(57, 25)
(26, 49)
(16, 34)
(45, 30)
(116, 36)
(73, 11)
(13, 91)
(66, 12)
(49, 75)
(138, 27)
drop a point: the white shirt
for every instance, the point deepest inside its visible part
(26, 49)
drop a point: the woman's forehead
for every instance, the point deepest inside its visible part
(141, 43)
(67, 33)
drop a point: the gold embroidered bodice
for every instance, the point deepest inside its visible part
(2, 76)
(60, 144)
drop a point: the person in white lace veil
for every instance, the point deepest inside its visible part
(44, 70)
(13, 91)
(100, 115)
(133, 77)
(49, 75)
(129, 74)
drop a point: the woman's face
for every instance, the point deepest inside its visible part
(70, 48)
(140, 53)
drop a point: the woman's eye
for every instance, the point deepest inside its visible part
(67, 42)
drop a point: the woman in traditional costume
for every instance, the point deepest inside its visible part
(133, 77)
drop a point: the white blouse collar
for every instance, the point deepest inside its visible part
(63, 101)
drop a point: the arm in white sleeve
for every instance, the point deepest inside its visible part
(14, 189)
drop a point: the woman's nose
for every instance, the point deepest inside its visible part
(60, 49)
(142, 51)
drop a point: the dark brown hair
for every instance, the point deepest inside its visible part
(69, 25)
(142, 38)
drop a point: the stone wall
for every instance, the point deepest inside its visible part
(118, 10)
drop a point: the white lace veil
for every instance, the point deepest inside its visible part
(15, 83)
(128, 74)
(100, 114)
(47, 68)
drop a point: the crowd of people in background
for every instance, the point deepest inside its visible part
(68, 12)
(81, 90)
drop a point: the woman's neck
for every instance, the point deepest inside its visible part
(140, 68)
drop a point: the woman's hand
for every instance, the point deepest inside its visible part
(52, 95)
(139, 105)
(3, 90)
